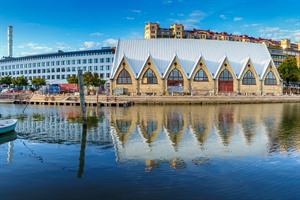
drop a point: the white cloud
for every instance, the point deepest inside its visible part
(250, 25)
(167, 2)
(237, 33)
(269, 29)
(136, 11)
(237, 19)
(180, 14)
(275, 33)
(110, 42)
(62, 46)
(39, 47)
(197, 13)
(90, 44)
(130, 18)
(223, 16)
(96, 34)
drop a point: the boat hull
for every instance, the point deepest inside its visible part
(7, 125)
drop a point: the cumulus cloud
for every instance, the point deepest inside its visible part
(223, 16)
(96, 34)
(130, 18)
(249, 25)
(197, 13)
(110, 42)
(167, 2)
(237, 19)
(275, 33)
(39, 47)
(90, 44)
(136, 11)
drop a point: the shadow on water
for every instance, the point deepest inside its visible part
(8, 137)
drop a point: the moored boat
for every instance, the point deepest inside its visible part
(7, 125)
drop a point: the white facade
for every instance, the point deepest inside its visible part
(56, 67)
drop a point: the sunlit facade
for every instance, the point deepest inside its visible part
(56, 67)
(199, 67)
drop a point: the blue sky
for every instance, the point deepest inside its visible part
(42, 26)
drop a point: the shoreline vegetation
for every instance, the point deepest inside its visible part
(73, 99)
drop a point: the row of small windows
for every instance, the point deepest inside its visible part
(60, 56)
(64, 76)
(58, 63)
(95, 68)
(54, 70)
(149, 77)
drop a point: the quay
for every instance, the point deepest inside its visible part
(125, 100)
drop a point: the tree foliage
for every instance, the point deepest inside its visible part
(37, 81)
(72, 79)
(89, 79)
(289, 70)
(20, 81)
(6, 80)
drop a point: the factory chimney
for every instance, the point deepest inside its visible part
(10, 41)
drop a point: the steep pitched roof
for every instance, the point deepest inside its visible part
(188, 51)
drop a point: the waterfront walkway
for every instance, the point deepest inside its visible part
(124, 100)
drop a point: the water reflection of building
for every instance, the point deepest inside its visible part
(176, 134)
(54, 128)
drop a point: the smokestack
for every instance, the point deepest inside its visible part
(10, 41)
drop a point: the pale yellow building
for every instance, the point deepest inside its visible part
(199, 67)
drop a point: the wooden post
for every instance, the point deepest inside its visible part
(81, 95)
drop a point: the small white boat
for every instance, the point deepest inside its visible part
(7, 125)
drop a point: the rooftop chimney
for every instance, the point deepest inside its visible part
(10, 41)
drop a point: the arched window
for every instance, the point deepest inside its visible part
(201, 76)
(270, 79)
(225, 76)
(149, 77)
(175, 75)
(124, 77)
(249, 78)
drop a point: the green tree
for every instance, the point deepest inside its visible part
(38, 82)
(88, 78)
(289, 70)
(6, 80)
(20, 81)
(72, 79)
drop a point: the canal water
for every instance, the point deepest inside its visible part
(152, 152)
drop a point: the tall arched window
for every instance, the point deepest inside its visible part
(270, 79)
(249, 78)
(124, 77)
(175, 78)
(225, 76)
(149, 77)
(201, 76)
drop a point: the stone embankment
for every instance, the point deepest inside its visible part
(104, 100)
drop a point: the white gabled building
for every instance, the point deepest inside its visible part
(162, 66)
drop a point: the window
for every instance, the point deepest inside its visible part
(107, 59)
(149, 77)
(84, 61)
(201, 76)
(270, 79)
(175, 75)
(249, 78)
(90, 61)
(124, 77)
(225, 76)
(107, 67)
(96, 60)
(101, 60)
